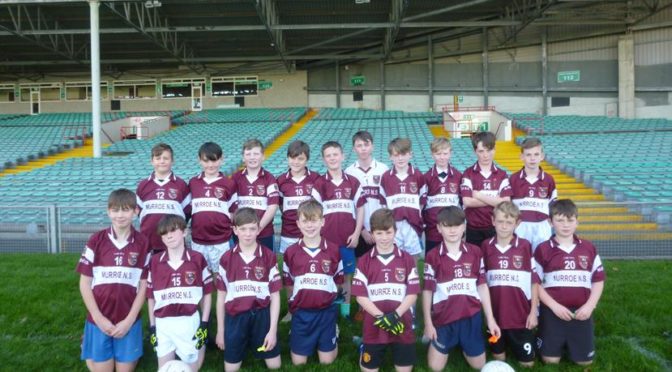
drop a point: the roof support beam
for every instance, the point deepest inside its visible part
(141, 18)
(396, 15)
(268, 13)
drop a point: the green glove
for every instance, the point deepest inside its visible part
(390, 322)
(201, 335)
(152, 337)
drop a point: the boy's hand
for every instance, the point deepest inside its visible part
(201, 335)
(353, 240)
(269, 341)
(430, 332)
(584, 312)
(493, 328)
(105, 325)
(532, 320)
(152, 337)
(219, 340)
(121, 328)
(367, 236)
(562, 312)
(390, 322)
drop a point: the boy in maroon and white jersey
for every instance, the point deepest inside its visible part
(256, 188)
(113, 281)
(572, 279)
(161, 194)
(295, 186)
(211, 199)
(533, 192)
(312, 269)
(400, 189)
(341, 197)
(368, 172)
(514, 286)
(484, 185)
(386, 285)
(179, 280)
(454, 291)
(248, 297)
(443, 189)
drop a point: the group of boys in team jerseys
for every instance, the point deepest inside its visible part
(348, 232)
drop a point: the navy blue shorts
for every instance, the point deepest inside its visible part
(100, 347)
(247, 331)
(313, 329)
(467, 333)
(348, 258)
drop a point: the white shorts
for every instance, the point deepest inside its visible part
(176, 334)
(535, 232)
(212, 253)
(407, 238)
(285, 242)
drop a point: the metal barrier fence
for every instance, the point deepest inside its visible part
(618, 230)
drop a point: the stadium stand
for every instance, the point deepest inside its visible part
(242, 115)
(534, 124)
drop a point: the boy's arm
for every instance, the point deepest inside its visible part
(585, 311)
(406, 304)
(268, 216)
(271, 337)
(369, 306)
(484, 293)
(430, 330)
(532, 319)
(559, 310)
(206, 304)
(90, 302)
(353, 239)
(219, 309)
(488, 200)
(121, 328)
(472, 202)
(150, 309)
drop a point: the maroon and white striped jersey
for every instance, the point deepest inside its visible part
(340, 202)
(210, 204)
(533, 198)
(248, 281)
(386, 281)
(510, 274)
(313, 273)
(292, 193)
(568, 273)
(257, 193)
(495, 185)
(402, 196)
(453, 281)
(116, 269)
(441, 192)
(369, 180)
(177, 288)
(157, 198)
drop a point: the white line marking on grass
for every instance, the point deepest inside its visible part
(634, 343)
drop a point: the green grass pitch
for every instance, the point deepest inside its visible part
(42, 319)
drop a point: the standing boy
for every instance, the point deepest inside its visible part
(161, 194)
(454, 291)
(256, 188)
(248, 297)
(112, 283)
(401, 188)
(312, 269)
(443, 189)
(178, 281)
(386, 285)
(341, 198)
(514, 286)
(533, 192)
(483, 187)
(572, 280)
(368, 172)
(295, 186)
(211, 193)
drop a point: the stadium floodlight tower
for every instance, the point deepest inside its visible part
(95, 76)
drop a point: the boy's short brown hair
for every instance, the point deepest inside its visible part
(508, 209)
(451, 216)
(399, 146)
(310, 210)
(123, 199)
(486, 138)
(362, 135)
(564, 207)
(382, 219)
(210, 151)
(252, 143)
(160, 148)
(439, 143)
(170, 223)
(243, 216)
(331, 144)
(529, 143)
(297, 148)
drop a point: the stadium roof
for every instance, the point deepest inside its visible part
(42, 36)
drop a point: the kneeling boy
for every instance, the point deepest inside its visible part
(386, 285)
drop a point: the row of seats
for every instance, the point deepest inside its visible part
(353, 113)
(242, 115)
(535, 124)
